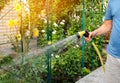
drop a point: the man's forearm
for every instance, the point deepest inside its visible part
(106, 27)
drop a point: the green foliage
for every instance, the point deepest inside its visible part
(5, 60)
(32, 71)
(66, 67)
(93, 19)
(63, 21)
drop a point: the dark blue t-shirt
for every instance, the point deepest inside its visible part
(113, 13)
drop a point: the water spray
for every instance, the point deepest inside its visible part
(64, 43)
(57, 46)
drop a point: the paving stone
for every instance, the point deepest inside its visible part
(93, 77)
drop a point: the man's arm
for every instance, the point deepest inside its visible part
(106, 27)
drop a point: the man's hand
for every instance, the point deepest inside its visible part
(106, 27)
(89, 38)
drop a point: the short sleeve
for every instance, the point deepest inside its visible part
(108, 15)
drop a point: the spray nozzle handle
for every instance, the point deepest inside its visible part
(80, 34)
(86, 34)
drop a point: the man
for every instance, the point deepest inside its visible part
(111, 23)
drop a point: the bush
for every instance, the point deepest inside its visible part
(67, 66)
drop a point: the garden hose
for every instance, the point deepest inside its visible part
(100, 57)
(86, 34)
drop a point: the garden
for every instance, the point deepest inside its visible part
(58, 56)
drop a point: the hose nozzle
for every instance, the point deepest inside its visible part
(81, 33)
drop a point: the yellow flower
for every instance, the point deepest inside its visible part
(11, 23)
(43, 13)
(17, 7)
(17, 22)
(18, 37)
(35, 32)
(49, 42)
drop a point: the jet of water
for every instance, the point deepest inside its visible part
(53, 47)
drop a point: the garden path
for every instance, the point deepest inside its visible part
(93, 77)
